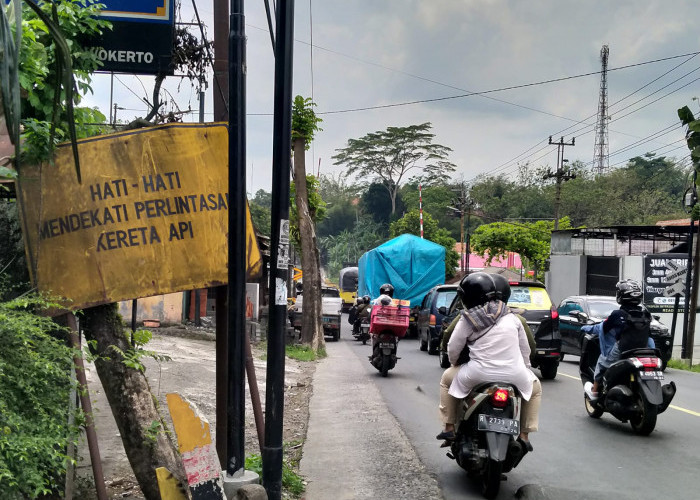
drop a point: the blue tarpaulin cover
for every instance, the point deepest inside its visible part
(411, 264)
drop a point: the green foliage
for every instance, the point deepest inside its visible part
(683, 365)
(260, 206)
(40, 80)
(530, 240)
(153, 430)
(692, 138)
(376, 201)
(317, 207)
(133, 356)
(300, 352)
(394, 155)
(349, 245)
(437, 197)
(292, 483)
(35, 388)
(410, 224)
(14, 277)
(304, 120)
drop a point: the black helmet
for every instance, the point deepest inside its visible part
(628, 292)
(366, 299)
(477, 289)
(502, 287)
(386, 289)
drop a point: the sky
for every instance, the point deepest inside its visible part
(370, 53)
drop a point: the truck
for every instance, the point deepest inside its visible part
(331, 305)
(412, 265)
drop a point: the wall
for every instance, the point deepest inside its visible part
(566, 276)
(165, 308)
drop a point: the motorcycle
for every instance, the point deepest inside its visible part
(388, 324)
(486, 443)
(360, 330)
(631, 390)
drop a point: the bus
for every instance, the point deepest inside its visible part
(348, 286)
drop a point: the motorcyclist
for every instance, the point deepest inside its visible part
(626, 328)
(498, 350)
(386, 295)
(362, 312)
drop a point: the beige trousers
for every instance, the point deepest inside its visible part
(449, 406)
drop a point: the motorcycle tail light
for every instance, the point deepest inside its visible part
(499, 398)
(432, 320)
(647, 363)
(555, 313)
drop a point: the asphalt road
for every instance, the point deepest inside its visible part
(575, 456)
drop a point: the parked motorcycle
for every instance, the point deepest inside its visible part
(631, 390)
(388, 324)
(486, 443)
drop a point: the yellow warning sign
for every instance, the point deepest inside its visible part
(150, 217)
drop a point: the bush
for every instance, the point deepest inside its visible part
(35, 388)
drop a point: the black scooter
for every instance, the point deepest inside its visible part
(486, 441)
(631, 390)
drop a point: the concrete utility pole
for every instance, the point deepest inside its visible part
(560, 175)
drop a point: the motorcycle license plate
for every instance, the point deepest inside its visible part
(652, 375)
(498, 424)
(386, 345)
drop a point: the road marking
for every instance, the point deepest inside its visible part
(690, 412)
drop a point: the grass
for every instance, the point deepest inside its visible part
(301, 353)
(298, 352)
(682, 365)
(292, 483)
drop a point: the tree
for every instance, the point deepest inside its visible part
(410, 224)
(437, 198)
(260, 206)
(530, 240)
(376, 202)
(304, 126)
(390, 156)
(349, 245)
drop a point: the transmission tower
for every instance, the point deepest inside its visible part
(600, 151)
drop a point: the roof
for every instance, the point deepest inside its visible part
(671, 232)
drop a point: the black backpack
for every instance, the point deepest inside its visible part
(636, 330)
(352, 316)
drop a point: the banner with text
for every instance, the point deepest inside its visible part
(664, 278)
(150, 217)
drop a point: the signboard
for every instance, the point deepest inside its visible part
(664, 278)
(150, 217)
(141, 40)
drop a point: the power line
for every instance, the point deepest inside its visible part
(502, 89)
(594, 114)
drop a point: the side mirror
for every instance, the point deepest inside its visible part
(442, 310)
(579, 315)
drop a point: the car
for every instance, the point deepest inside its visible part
(579, 310)
(430, 313)
(530, 300)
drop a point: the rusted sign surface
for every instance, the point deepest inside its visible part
(150, 217)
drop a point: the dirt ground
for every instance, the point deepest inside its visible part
(191, 372)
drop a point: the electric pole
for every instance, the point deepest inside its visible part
(560, 175)
(461, 206)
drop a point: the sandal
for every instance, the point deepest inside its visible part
(446, 436)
